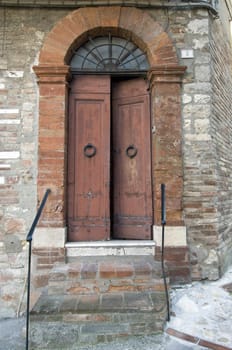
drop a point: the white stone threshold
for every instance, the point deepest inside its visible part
(56, 237)
(111, 243)
(112, 247)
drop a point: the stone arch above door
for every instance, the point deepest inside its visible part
(72, 31)
(165, 77)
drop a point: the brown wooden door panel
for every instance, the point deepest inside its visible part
(89, 206)
(132, 197)
(88, 159)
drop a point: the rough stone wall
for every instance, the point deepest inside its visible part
(222, 136)
(200, 194)
(206, 113)
(190, 30)
(21, 35)
(207, 133)
(206, 125)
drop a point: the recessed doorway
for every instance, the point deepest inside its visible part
(109, 147)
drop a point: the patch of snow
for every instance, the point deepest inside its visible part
(204, 310)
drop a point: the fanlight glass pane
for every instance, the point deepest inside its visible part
(109, 54)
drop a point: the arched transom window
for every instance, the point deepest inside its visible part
(109, 54)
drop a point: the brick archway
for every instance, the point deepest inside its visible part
(165, 77)
(74, 28)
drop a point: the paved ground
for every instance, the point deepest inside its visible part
(202, 313)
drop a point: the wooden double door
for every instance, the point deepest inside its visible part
(109, 159)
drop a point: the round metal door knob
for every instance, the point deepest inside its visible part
(131, 151)
(90, 150)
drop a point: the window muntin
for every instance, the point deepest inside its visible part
(109, 54)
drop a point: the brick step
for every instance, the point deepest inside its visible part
(97, 275)
(99, 299)
(93, 303)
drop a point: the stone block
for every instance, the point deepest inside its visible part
(159, 301)
(60, 273)
(112, 301)
(89, 271)
(40, 280)
(69, 303)
(56, 335)
(12, 244)
(48, 305)
(74, 271)
(137, 301)
(88, 303)
(14, 225)
(77, 288)
(103, 329)
(107, 271)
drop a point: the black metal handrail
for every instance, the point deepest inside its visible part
(29, 240)
(163, 223)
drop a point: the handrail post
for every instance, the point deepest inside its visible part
(163, 223)
(29, 240)
(28, 295)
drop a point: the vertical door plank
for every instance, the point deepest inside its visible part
(88, 159)
(132, 195)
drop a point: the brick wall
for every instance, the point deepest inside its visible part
(222, 137)
(21, 35)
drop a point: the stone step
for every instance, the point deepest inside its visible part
(69, 330)
(66, 322)
(109, 248)
(98, 299)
